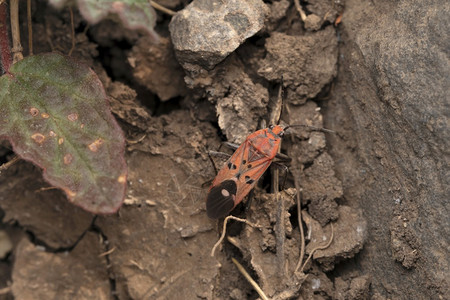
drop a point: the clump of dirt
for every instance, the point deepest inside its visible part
(150, 60)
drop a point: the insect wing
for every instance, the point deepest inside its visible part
(249, 177)
(241, 172)
(231, 167)
(221, 198)
(260, 149)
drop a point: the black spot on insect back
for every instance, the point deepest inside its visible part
(220, 200)
(231, 166)
(249, 180)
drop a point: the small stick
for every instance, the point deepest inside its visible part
(250, 279)
(131, 142)
(8, 164)
(275, 114)
(15, 31)
(300, 10)
(72, 31)
(162, 8)
(43, 189)
(280, 230)
(280, 233)
(224, 230)
(107, 252)
(5, 290)
(30, 29)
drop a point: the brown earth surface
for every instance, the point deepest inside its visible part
(374, 193)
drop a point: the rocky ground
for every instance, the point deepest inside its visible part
(374, 194)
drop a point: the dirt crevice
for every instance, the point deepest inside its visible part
(106, 253)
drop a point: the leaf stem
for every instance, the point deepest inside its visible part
(5, 51)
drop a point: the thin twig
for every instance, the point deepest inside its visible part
(319, 248)
(224, 230)
(107, 252)
(72, 31)
(162, 8)
(280, 233)
(5, 290)
(44, 189)
(8, 164)
(250, 279)
(15, 31)
(300, 10)
(275, 114)
(131, 142)
(280, 230)
(30, 29)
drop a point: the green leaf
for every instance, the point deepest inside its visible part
(134, 14)
(55, 113)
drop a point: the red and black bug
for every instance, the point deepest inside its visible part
(242, 170)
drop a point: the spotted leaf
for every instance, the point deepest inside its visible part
(55, 113)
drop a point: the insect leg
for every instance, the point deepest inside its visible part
(231, 145)
(249, 201)
(283, 157)
(285, 169)
(217, 154)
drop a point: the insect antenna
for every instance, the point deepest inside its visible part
(312, 128)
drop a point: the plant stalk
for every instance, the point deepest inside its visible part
(15, 31)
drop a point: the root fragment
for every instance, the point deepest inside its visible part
(224, 230)
(250, 279)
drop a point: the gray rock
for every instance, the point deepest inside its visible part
(207, 31)
(390, 106)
